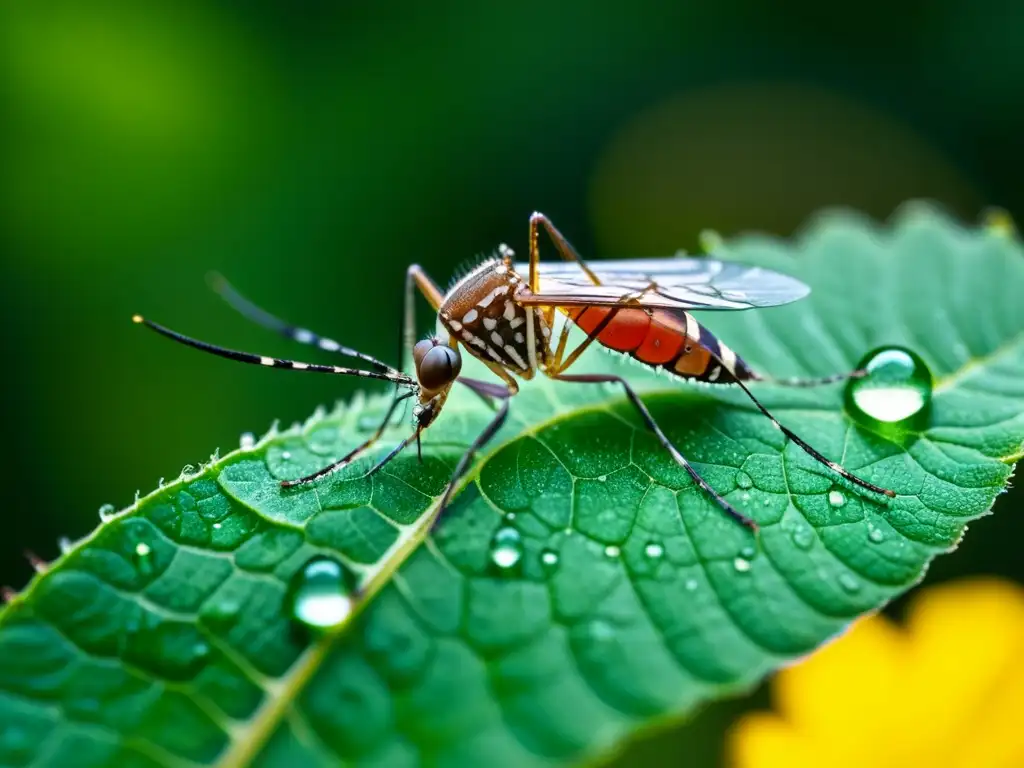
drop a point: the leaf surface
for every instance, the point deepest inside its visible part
(164, 637)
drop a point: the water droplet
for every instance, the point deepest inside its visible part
(803, 536)
(320, 595)
(143, 558)
(748, 553)
(741, 565)
(767, 502)
(247, 441)
(602, 478)
(65, 544)
(107, 511)
(836, 499)
(549, 558)
(896, 391)
(654, 550)
(285, 455)
(217, 526)
(510, 516)
(876, 535)
(743, 480)
(849, 583)
(691, 585)
(611, 550)
(222, 611)
(506, 548)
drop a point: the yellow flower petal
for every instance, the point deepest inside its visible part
(948, 690)
(761, 740)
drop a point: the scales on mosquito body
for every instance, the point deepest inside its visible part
(504, 314)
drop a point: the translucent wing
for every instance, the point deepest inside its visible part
(673, 283)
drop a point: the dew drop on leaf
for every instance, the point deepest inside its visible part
(849, 583)
(549, 559)
(320, 595)
(691, 585)
(836, 499)
(143, 558)
(654, 550)
(247, 441)
(743, 480)
(896, 390)
(748, 553)
(741, 564)
(876, 535)
(602, 478)
(286, 455)
(611, 550)
(506, 548)
(803, 536)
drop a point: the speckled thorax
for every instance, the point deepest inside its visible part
(481, 311)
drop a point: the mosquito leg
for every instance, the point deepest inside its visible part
(355, 452)
(487, 390)
(260, 316)
(806, 447)
(815, 382)
(596, 378)
(563, 246)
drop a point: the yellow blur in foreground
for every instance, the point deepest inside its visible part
(945, 689)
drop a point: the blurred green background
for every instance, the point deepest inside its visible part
(310, 151)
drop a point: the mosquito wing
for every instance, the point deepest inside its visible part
(673, 283)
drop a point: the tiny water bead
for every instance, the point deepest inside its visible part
(611, 550)
(691, 585)
(743, 480)
(320, 596)
(876, 536)
(143, 558)
(549, 558)
(803, 536)
(748, 553)
(896, 390)
(836, 499)
(506, 548)
(849, 583)
(654, 550)
(286, 455)
(247, 441)
(742, 565)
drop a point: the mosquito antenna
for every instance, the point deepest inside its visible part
(806, 447)
(260, 316)
(273, 362)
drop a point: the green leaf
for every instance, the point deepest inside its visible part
(163, 637)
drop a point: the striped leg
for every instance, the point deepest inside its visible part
(355, 452)
(261, 317)
(564, 247)
(729, 509)
(484, 389)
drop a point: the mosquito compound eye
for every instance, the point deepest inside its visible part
(438, 367)
(420, 350)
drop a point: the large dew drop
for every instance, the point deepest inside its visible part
(321, 594)
(896, 390)
(506, 549)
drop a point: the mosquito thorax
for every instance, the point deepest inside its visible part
(481, 312)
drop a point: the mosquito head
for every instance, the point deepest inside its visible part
(437, 364)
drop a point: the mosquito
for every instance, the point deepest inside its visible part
(503, 313)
